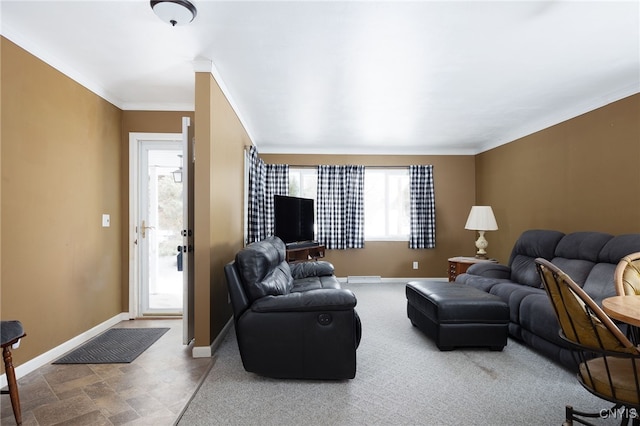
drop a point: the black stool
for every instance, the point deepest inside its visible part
(457, 315)
(10, 334)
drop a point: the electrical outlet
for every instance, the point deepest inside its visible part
(415, 265)
(106, 221)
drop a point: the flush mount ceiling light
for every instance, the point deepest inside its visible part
(175, 12)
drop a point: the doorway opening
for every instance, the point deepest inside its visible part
(156, 221)
(161, 270)
(161, 212)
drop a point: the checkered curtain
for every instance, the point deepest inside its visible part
(277, 183)
(423, 207)
(257, 186)
(340, 209)
(265, 181)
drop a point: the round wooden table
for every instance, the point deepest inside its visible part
(623, 308)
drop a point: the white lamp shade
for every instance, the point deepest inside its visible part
(481, 218)
(174, 12)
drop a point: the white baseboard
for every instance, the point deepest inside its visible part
(427, 279)
(207, 351)
(373, 279)
(201, 352)
(58, 351)
(363, 279)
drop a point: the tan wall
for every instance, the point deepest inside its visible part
(140, 122)
(64, 162)
(61, 170)
(202, 207)
(219, 174)
(580, 175)
(454, 178)
(226, 202)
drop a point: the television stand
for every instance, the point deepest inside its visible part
(302, 244)
(304, 254)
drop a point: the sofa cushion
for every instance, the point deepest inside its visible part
(311, 269)
(538, 316)
(263, 269)
(512, 294)
(314, 283)
(600, 282)
(577, 253)
(523, 271)
(577, 269)
(481, 283)
(618, 247)
(582, 245)
(531, 245)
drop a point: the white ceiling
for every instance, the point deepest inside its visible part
(364, 77)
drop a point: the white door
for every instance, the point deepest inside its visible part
(187, 231)
(161, 239)
(160, 225)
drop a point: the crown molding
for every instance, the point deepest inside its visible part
(25, 43)
(557, 117)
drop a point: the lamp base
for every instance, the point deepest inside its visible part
(481, 245)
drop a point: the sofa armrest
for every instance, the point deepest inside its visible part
(311, 269)
(490, 270)
(332, 299)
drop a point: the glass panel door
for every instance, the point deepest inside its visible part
(161, 218)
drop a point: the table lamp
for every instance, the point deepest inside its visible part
(481, 219)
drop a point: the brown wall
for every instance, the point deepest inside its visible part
(454, 178)
(226, 202)
(61, 170)
(64, 162)
(580, 175)
(140, 122)
(202, 207)
(219, 170)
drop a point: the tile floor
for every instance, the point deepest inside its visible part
(152, 390)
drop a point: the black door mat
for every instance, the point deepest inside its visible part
(114, 346)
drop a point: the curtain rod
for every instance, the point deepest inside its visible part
(298, 166)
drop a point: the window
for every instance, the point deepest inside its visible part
(303, 182)
(386, 204)
(386, 200)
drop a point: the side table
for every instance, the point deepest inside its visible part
(459, 265)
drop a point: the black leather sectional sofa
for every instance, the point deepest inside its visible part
(589, 258)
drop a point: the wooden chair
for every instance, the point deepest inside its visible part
(609, 364)
(10, 334)
(627, 275)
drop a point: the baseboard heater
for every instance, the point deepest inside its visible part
(363, 279)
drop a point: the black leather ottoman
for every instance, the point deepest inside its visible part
(456, 315)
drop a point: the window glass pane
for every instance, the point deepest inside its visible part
(294, 183)
(309, 184)
(303, 182)
(386, 204)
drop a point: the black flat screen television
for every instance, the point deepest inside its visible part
(294, 218)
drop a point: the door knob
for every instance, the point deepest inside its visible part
(143, 229)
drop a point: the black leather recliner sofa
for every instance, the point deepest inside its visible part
(291, 320)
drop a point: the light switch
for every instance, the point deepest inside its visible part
(106, 220)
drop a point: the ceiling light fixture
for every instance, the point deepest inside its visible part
(175, 12)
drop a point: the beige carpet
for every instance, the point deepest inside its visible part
(402, 379)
